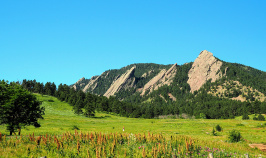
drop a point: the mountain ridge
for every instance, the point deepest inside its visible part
(147, 78)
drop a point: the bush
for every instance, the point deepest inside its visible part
(75, 127)
(214, 132)
(234, 136)
(255, 118)
(202, 116)
(218, 128)
(261, 118)
(245, 117)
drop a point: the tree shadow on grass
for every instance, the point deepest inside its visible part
(101, 117)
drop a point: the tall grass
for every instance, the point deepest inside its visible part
(99, 145)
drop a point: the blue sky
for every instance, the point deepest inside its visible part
(62, 41)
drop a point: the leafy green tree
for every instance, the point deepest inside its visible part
(202, 116)
(18, 107)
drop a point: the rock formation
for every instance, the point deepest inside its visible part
(79, 83)
(205, 67)
(91, 83)
(124, 81)
(162, 78)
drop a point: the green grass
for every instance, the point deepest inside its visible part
(59, 118)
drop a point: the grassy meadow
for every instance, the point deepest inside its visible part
(101, 136)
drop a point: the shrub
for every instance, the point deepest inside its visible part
(261, 118)
(214, 132)
(75, 127)
(245, 117)
(234, 136)
(202, 116)
(218, 128)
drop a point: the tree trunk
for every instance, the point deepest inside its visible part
(10, 133)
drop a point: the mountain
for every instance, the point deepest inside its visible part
(144, 83)
(133, 76)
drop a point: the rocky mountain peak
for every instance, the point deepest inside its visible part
(205, 67)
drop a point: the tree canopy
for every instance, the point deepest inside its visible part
(18, 107)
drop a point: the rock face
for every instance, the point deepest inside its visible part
(205, 67)
(79, 83)
(122, 82)
(91, 83)
(163, 78)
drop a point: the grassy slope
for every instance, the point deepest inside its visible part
(59, 118)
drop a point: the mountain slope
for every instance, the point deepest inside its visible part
(113, 81)
(150, 83)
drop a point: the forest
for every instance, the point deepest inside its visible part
(188, 105)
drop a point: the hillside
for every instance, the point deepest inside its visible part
(137, 81)
(132, 76)
(206, 88)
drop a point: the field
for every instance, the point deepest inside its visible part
(103, 136)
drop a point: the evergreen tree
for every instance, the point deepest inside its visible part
(78, 107)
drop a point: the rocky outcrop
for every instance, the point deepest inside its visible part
(79, 82)
(147, 74)
(205, 67)
(92, 84)
(124, 81)
(162, 78)
(171, 97)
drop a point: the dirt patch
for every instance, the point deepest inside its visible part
(262, 147)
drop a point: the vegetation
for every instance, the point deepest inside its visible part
(261, 118)
(245, 117)
(246, 75)
(111, 145)
(201, 104)
(218, 128)
(18, 107)
(106, 79)
(234, 136)
(177, 133)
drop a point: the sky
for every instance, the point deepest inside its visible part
(62, 41)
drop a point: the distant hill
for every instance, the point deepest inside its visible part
(140, 82)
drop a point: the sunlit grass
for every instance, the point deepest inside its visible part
(59, 118)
